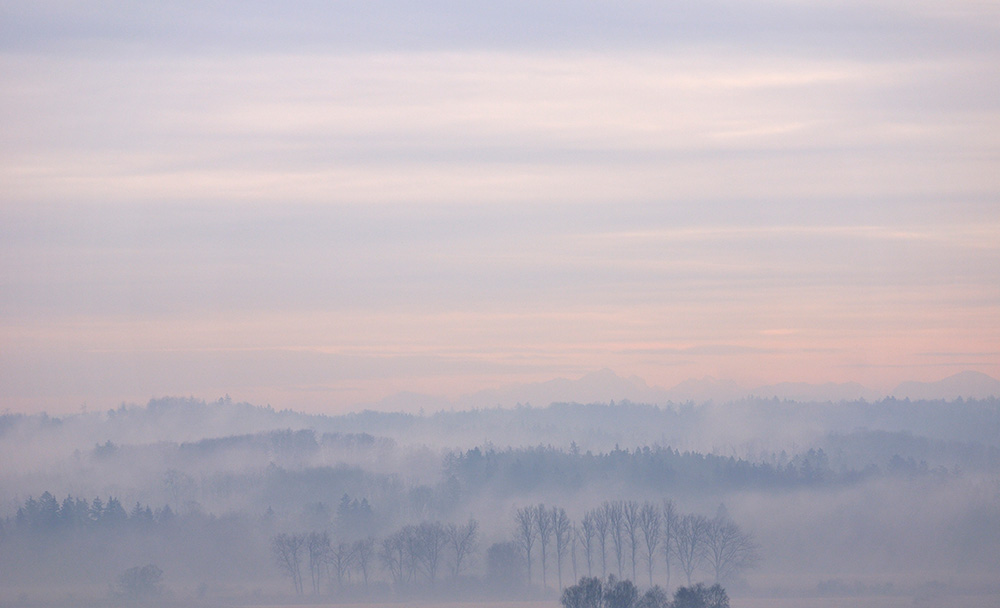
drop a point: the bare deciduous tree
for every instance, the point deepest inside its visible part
(395, 558)
(601, 525)
(574, 536)
(586, 534)
(729, 549)
(341, 559)
(671, 518)
(614, 511)
(432, 539)
(525, 534)
(649, 523)
(318, 550)
(562, 529)
(630, 523)
(287, 550)
(463, 540)
(543, 523)
(364, 551)
(689, 547)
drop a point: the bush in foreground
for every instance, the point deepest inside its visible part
(591, 592)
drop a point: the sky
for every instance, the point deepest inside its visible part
(317, 205)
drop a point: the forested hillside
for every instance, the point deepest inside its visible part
(234, 500)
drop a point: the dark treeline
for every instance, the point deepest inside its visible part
(657, 468)
(47, 515)
(55, 542)
(288, 471)
(297, 444)
(598, 427)
(285, 470)
(294, 473)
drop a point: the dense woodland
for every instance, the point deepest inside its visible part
(160, 500)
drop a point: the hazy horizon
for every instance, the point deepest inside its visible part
(603, 386)
(319, 206)
(837, 504)
(328, 302)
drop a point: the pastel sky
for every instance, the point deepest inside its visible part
(319, 204)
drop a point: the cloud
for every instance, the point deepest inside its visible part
(708, 349)
(480, 182)
(820, 28)
(484, 127)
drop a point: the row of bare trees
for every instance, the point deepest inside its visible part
(412, 554)
(419, 551)
(626, 534)
(324, 559)
(538, 523)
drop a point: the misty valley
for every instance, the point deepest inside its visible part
(518, 304)
(755, 502)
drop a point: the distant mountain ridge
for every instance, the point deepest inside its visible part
(706, 389)
(604, 386)
(601, 386)
(829, 391)
(967, 385)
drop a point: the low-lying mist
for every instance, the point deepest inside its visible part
(208, 499)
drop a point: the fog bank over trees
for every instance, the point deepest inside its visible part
(182, 500)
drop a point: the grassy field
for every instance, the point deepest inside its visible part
(895, 601)
(777, 597)
(900, 601)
